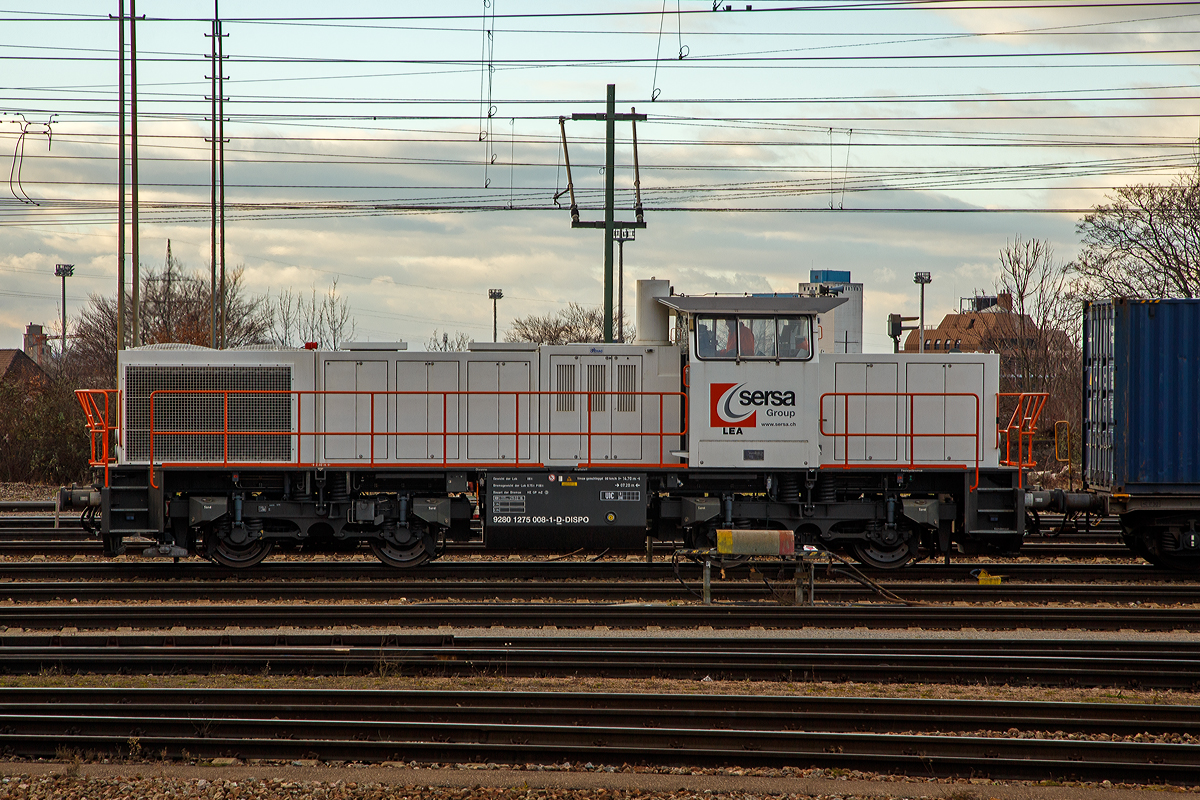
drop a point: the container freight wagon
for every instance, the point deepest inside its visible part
(1141, 422)
(739, 422)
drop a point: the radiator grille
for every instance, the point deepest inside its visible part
(565, 382)
(597, 381)
(626, 382)
(194, 410)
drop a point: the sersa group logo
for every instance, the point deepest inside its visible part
(733, 407)
(722, 400)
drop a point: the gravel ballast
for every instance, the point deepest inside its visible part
(262, 782)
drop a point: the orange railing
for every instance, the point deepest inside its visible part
(1019, 432)
(296, 434)
(100, 407)
(911, 434)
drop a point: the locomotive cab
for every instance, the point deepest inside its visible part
(753, 379)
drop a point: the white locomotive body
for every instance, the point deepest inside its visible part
(740, 423)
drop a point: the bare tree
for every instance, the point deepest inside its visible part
(94, 348)
(322, 318)
(176, 306)
(1038, 336)
(1145, 243)
(575, 323)
(444, 342)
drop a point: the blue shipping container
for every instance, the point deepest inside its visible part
(1141, 396)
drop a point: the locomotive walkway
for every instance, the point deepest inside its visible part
(881, 735)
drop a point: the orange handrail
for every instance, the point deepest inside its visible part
(1022, 426)
(99, 408)
(910, 434)
(529, 396)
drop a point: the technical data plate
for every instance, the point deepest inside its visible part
(565, 510)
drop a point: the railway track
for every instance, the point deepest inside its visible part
(541, 569)
(461, 615)
(607, 591)
(1112, 663)
(873, 734)
(68, 542)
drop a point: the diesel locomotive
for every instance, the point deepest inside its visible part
(724, 413)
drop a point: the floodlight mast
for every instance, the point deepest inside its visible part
(495, 295)
(64, 271)
(922, 278)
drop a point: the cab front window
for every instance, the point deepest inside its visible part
(754, 337)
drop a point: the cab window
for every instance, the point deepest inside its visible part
(716, 337)
(795, 337)
(756, 337)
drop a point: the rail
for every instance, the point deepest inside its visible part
(1022, 426)
(100, 406)
(911, 434)
(295, 433)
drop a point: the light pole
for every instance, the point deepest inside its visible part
(64, 271)
(621, 236)
(922, 278)
(495, 295)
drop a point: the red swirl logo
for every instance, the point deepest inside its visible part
(722, 397)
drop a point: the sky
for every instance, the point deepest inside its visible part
(412, 151)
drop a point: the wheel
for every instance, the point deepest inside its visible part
(410, 554)
(237, 556)
(1147, 543)
(1132, 538)
(881, 557)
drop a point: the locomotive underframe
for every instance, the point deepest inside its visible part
(882, 516)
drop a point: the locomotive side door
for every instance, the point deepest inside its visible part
(867, 404)
(564, 409)
(495, 415)
(627, 408)
(585, 399)
(348, 417)
(954, 414)
(423, 412)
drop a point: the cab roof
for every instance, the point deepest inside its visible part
(778, 304)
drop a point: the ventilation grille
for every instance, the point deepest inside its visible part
(564, 378)
(597, 381)
(626, 382)
(197, 410)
